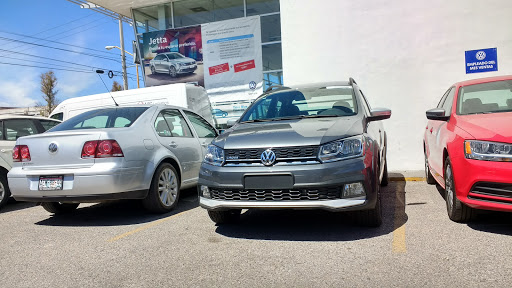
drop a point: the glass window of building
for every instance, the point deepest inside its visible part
(194, 12)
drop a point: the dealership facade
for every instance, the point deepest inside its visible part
(403, 54)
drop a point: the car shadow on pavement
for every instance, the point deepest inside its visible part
(318, 225)
(13, 205)
(487, 221)
(117, 213)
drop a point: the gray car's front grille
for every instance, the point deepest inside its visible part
(299, 152)
(304, 194)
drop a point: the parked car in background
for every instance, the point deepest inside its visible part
(11, 128)
(468, 146)
(219, 113)
(172, 63)
(140, 152)
(316, 146)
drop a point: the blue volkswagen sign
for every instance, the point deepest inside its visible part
(482, 60)
(268, 157)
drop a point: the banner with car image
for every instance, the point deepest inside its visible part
(232, 65)
(173, 56)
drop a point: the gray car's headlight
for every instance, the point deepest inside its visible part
(214, 155)
(489, 151)
(342, 149)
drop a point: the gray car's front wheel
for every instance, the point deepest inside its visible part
(59, 208)
(225, 216)
(164, 191)
(172, 71)
(5, 193)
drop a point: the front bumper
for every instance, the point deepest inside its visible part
(186, 69)
(306, 180)
(102, 181)
(483, 184)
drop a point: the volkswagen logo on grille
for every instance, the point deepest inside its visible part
(268, 157)
(52, 148)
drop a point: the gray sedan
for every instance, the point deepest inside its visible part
(142, 152)
(310, 147)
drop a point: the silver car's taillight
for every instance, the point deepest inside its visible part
(21, 153)
(101, 149)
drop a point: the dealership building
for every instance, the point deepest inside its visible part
(404, 54)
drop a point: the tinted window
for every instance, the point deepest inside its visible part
(58, 116)
(492, 97)
(103, 118)
(16, 128)
(170, 123)
(448, 102)
(159, 57)
(48, 124)
(203, 129)
(297, 103)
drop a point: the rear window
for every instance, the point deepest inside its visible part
(103, 118)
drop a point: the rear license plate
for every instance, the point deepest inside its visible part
(50, 183)
(268, 181)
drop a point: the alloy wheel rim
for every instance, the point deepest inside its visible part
(167, 187)
(2, 191)
(427, 169)
(449, 188)
(152, 69)
(173, 72)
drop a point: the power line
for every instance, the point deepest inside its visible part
(52, 68)
(62, 49)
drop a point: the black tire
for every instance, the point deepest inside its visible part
(371, 217)
(385, 177)
(428, 174)
(457, 211)
(167, 180)
(172, 72)
(5, 193)
(59, 208)
(153, 70)
(225, 216)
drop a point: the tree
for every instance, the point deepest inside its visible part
(48, 84)
(116, 87)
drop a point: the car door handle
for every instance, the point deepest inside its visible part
(204, 144)
(6, 150)
(431, 130)
(173, 144)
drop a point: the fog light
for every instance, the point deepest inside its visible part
(205, 191)
(353, 190)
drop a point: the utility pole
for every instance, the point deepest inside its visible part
(123, 58)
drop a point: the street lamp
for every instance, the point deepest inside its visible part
(124, 66)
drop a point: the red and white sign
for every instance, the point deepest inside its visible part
(247, 65)
(214, 70)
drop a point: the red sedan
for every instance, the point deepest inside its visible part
(468, 146)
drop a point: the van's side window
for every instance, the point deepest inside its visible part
(58, 116)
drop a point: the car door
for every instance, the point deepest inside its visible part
(175, 134)
(158, 62)
(375, 129)
(436, 134)
(204, 131)
(12, 129)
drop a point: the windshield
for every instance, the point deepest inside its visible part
(492, 97)
(333, 101)
(102, 118)
(178, 56)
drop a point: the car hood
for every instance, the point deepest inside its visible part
(283, 133)
(494, 126)
(184, 60)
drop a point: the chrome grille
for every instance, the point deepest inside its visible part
(304, 194)
(298, 152)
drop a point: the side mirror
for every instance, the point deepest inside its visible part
(231, 122)
(437, 114)
(379, 114)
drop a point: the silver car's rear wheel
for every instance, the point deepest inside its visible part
(4, 190)
(153, 71)
(59, 208)
(172, 71)
(164, 192)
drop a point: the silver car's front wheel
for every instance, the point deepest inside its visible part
(164, 192)
(172, 71)
(153, 70)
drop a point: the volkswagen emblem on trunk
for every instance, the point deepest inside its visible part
(268, 157)
(52, 148)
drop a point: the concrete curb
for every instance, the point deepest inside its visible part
(407, 176)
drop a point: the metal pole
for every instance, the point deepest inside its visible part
(123, 58)
(137, 67)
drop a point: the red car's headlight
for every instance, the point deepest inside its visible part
(488, 151)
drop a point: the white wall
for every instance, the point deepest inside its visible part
(404, 54)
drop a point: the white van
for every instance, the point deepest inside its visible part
(182, 94)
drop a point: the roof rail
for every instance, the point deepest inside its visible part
(352, 81)
(276, 87)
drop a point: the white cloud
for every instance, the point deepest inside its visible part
(19, 93)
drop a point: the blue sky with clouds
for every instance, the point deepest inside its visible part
(63, 38)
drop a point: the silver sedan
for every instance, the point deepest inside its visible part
(141, 152)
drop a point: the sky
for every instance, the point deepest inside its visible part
(66, 39)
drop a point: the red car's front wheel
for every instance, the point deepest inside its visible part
(457, 211)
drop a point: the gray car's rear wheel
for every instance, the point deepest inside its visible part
(153, 70)
(172, 71)
(457, 211)
(225, 216)
(164, 191)
(59, 208)
(5, 193)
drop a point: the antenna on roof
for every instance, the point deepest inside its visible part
(101, 72)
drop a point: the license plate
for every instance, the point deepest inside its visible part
(50, 183)
(268, 181)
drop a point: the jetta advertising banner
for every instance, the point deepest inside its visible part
(173, 56)
(233, 65)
